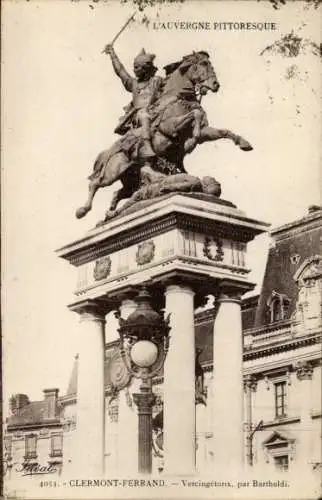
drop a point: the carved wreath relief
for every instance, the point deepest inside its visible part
(145, 253)
(102, 268)
(119, 375)
(212, 249)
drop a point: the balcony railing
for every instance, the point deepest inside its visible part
(56, 453)
(30, 455)
(271, 327)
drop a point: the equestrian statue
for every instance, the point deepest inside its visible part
(162, 124)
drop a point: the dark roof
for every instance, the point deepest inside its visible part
(32, 413)
(294, 243)
(249, 307)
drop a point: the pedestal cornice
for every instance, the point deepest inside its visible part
(179, 240)
(177, 211)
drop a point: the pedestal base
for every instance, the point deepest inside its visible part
(194, 245)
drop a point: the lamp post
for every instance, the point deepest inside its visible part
(144, 339)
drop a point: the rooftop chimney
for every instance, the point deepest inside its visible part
(51, 397)
(18, 401)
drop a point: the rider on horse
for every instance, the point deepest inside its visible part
(146, 89)
(179, 124)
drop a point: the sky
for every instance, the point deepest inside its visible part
(60, 103)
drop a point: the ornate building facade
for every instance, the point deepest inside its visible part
(33, 440)
(282, 330)
(282, 353)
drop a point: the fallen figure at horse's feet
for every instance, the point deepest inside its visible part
(177, 183)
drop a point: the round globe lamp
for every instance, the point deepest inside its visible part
(144, 353)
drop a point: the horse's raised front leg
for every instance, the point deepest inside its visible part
(171, 127)
(82, 211)
(213, 134)
(197, 116)
(192, 142)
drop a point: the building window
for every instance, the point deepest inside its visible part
(31, 446)
(280, 399)
(295, 258)
(281, 463)
(56, 445)
(279, 450)
(278, 306)
(276, 311)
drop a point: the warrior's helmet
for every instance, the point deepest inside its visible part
(145, 60)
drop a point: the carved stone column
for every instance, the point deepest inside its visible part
(145, 400)
(228, 407)
(179, 384)
(127, 421)
(90, 421)
(250, 384)
(304, 372)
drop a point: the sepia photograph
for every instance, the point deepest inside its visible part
(161, 249)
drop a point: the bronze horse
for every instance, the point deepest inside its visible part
(179, 123)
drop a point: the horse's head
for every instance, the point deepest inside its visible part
(199, 70)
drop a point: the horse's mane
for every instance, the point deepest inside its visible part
(170, 68)
(190, 58)
(175, 72)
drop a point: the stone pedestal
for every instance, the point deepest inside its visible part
(183, 247)
(179, 384)
(90, 415)
(228, 391)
